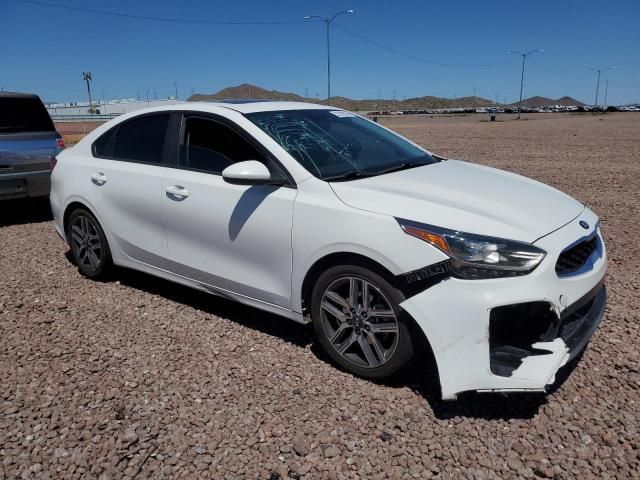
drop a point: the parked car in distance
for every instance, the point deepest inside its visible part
(319, 215)
(28, 141)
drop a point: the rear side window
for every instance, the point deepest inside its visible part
(137, 140)
(24, 114)
(211, 146)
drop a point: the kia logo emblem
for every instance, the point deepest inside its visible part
(584, 224)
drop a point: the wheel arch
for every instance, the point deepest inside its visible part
(332, 260)
(420, 340)
(68, 210)
(81, 203)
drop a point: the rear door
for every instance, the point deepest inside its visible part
(236, 238)
(126, 185)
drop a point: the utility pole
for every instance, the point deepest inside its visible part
(86, 76)
(175, 86)
(524, 57)
(606, 90)
(599, 70)
(394, 101)
(147, 97)
(327, 21)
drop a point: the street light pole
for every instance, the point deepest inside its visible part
(327, 21)
(599, 70)
(524, 57)
(86, 76)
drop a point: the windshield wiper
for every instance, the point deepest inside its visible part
(401, 166)
(355, 174)
(346, 176)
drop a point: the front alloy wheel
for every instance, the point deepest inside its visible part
(356, 318)
(359, 322)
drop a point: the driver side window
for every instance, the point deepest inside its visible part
(210, 146)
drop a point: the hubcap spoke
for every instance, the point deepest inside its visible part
(76, 238)
(336, 298)
(343, 347)
(388, 327)
(382, 313)
(94, 260)
(333, 311)
(365, 295)
(353, 291)
(84, 226)
(339, 331)
(369, 356)
(377, 346)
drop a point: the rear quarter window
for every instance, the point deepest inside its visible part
(137, 140)
(28, 114)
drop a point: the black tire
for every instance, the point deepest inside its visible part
(323, 321)
(96, 263)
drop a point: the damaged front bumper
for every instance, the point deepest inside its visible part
(513, 334)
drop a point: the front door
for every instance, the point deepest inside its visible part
(236, 238)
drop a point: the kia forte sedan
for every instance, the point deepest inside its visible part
(319, 215)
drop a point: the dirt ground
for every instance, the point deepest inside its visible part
(137, 377)
(72, 132)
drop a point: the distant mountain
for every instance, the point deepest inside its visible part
(544, 102)
(245, 91)
(419, 103)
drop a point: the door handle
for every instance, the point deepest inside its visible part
(99, 178)
(177, 192)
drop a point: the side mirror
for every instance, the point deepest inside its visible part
(249, 172)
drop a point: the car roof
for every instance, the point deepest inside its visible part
(17, 95)
(257, 105)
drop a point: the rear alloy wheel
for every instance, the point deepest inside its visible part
(358, 321)
(88, 243)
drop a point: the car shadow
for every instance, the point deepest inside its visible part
(423, 380)
(270, 324)
(25, 210)
(421, 377)
(246, 205)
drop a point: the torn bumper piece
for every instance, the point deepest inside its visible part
(520, 331)
(513, 334)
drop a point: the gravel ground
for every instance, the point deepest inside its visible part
(137, 377)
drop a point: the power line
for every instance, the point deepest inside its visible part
(414, 57)
(152, 18)
(557, 74)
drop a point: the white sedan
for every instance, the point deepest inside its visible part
(319, 215)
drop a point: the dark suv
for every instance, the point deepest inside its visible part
(28, 143)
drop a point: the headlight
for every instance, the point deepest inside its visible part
(476, 256)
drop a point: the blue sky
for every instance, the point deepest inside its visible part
(46, 49)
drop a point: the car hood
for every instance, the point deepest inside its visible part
(467, 197)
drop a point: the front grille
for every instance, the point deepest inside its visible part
(573, 259)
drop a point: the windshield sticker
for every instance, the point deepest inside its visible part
(342, 114)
